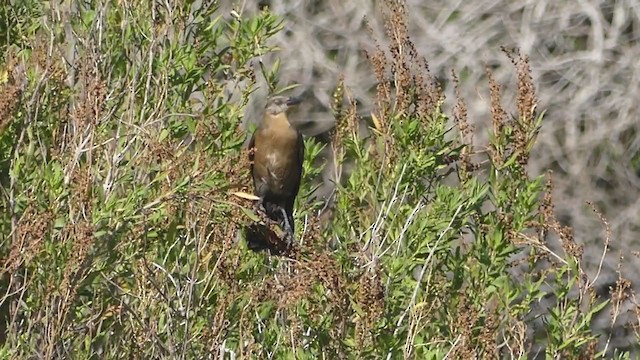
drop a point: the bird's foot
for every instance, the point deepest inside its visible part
(288, 228)
(261, 212)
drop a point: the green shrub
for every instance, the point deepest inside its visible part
(121, 151)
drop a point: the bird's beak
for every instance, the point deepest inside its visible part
(293, 101)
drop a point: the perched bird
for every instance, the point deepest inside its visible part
(276, 154)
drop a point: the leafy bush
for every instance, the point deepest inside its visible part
(121, 151)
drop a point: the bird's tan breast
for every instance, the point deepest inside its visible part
(276, 160)
(276, 148)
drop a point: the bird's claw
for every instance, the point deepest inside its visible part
(260, 210)
(289, 235)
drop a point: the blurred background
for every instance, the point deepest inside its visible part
(585, 59)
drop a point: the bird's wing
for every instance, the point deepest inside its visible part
(300, 149)
(252, 143)
(252, 155)
(300, 145)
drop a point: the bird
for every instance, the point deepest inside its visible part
(276, 155)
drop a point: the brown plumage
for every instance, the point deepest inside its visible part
(276, 162)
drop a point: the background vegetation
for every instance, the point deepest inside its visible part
(583, 62)
(122, 145)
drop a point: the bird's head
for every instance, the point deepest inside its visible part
(279, 104)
